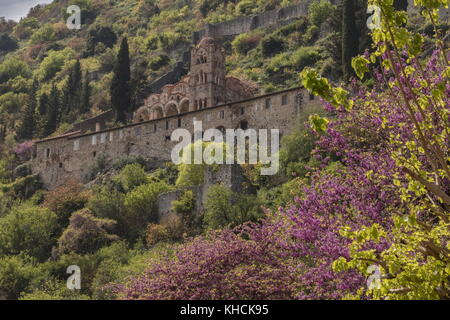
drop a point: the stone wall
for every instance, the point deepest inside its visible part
(73, 156)
(277, 17)
(228, 175)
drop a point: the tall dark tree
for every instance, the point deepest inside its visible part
(401, 5)
(72, 92)
(41, 115)
(53, 112)
(86, 94)
(7, 43)
(350, 37)
(120, 86)
(28, 126)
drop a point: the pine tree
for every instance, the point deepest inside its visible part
(28, 126)
(53, 112)
(350, 38)
(86, 94)
(120, 86)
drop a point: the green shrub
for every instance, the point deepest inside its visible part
(168, 174)
(16, 275)
(99, 167)
(53, 290)
(297, 26)
(156, 233)
(312, 34)
(245, 42)
(246, 7)
(186, 203)
(141, 207)
(132, 176)
(7, 43)
(13, 67)
(152, 41)
(319, 11)
(23, 188)
(85, 234)
(271, 45)
(65, 200)
(223, 208)
(28, 230)
(120, 163)
(304, 56)
(46, 33)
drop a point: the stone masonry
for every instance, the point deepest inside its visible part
(219, 101)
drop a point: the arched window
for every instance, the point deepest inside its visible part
(206, 102)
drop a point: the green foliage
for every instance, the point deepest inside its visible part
(13, 67)
(46, 33)
(319, 11)
(22, 188)
(304, 56)
(225, 209)
(190, 175)
(158, 62)
(132, 176)
(246, 7)
(85, 234)
(292, 158)
(54, 63)
(245, 42)
(185, 204)
(52, 290)
(7, 43)
(27, 127)
(122, 161)
(271, 45)
(100, 34)
(141, 207)
(168, 174)
(28, 230)
(65, 200)
(120, 90)
(17, 273)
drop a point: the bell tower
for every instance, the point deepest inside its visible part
(207, 80)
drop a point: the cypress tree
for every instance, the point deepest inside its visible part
(86, 94)
(350, 38)
(120, 86)
(72, 92)
(42, 114)
(28, 126)
(53, 112)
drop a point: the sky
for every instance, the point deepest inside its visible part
(16, 9)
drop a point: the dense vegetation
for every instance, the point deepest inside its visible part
(364, 182)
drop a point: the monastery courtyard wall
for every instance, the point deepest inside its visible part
(73, 156)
